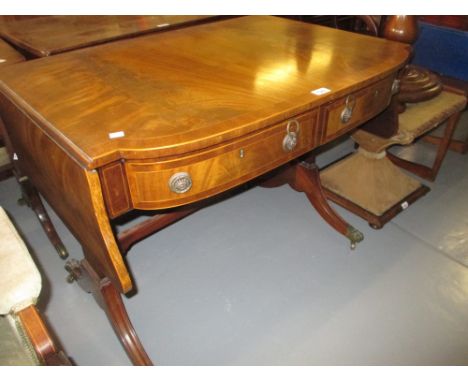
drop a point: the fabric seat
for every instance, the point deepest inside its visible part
(422, 117)
(20, 281)
(20, 286)
(24, 337)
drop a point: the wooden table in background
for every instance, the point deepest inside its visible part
(47, 35)
(165, 121)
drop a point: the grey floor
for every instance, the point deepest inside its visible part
(260, 279)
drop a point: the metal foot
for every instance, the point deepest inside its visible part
(355, 236)
(73, 268)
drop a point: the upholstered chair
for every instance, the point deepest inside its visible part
(24, 336)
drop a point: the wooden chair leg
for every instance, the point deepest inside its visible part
(40, 338)
(31, 197)
(425, 172)
(307, 180)
(110, 300)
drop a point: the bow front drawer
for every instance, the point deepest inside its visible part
(356, 108)
(170, 183)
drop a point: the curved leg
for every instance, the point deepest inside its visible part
(110, 300)
(307, 180)
(31, 197)
(117, 315)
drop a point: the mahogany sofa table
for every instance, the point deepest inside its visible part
(165, 121)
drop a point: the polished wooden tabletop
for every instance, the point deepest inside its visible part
(172, 93)
(9, 55)
(47, 35)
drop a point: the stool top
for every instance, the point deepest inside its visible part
(20, 281)
(418, 118)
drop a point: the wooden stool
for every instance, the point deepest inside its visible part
(459, 142)
(24, 337)
(423, 117)
(369, 184)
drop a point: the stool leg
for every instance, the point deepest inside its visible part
(460, 147)
(444, 145)
(425, 172)
(110, 300)
(307, 180)
(31, 197)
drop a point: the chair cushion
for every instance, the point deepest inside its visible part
(15, 348)
(20, 281)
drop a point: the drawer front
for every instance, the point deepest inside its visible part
(194, 177)
(352, 110)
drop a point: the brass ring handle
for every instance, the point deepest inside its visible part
(180, 182)
(291, 137)
(296, 124)
(347, 112)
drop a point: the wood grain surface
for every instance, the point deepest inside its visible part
(190, 89)
(187, 100)
(8, 55)
(74, 193)
(46, 35)
(219, 169)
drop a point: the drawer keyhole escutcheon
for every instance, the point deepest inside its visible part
(180, 182)
(292, 133)
(347, 112)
